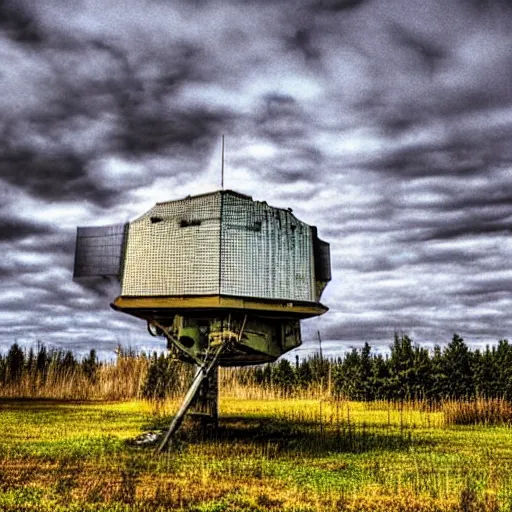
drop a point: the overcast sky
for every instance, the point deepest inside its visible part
(385, 123)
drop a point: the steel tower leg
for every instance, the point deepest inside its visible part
(200, 381)
(205, 406)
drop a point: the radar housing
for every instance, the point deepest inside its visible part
(213, 269)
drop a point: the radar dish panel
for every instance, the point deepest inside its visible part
(99, 251)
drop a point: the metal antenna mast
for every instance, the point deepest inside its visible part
(222, 167)
(320, 345)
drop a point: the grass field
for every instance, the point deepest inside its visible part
(286, 454)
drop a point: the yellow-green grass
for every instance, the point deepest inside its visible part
(286, 454)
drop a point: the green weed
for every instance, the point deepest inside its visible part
(268, 455)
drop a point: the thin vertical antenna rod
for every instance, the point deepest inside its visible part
(222, 167)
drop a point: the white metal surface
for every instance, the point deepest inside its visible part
(266, 252)
(219, 243)
(174, 249)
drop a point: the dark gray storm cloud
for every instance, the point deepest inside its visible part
(385, 124)
(18, 23)
(13, 229)
(91, 96)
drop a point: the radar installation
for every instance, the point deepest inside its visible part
(223, 278)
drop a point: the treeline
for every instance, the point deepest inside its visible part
(409, 372)
(56, 373)
(43, 363)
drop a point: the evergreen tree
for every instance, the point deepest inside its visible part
(259, 376)
(421, 378)
(485, 373)
(456, 364)
(304, 375)
(42, 360)
(347, 377)
(3, 370)
(158, 378)
(267, 375)
(319, 369)
(401, 366)
(439, 380)
(503, 357)
(15, 362)
(90, 365)
(283, 375)
(31, 361)
(367, 390)
(379, 379)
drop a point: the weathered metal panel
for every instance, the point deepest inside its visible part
(174, 249)
(99, 251)
(265, 252)
(322, 260)
(220, 243)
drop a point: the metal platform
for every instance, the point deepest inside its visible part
(166, 307)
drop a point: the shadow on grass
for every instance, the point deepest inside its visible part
(309, 438)
(40, 405)
(32, 407)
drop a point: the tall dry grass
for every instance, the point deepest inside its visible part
(128, 377)
(119, 380)
(480, 411)
(238, 383)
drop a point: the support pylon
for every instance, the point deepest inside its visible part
(205, 406)
(203, 373)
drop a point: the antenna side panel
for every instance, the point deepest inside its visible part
(99, 251)
(266, 252)
(322, 260)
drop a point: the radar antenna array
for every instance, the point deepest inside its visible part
(223, 278)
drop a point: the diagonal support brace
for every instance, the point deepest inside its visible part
(202, 373)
